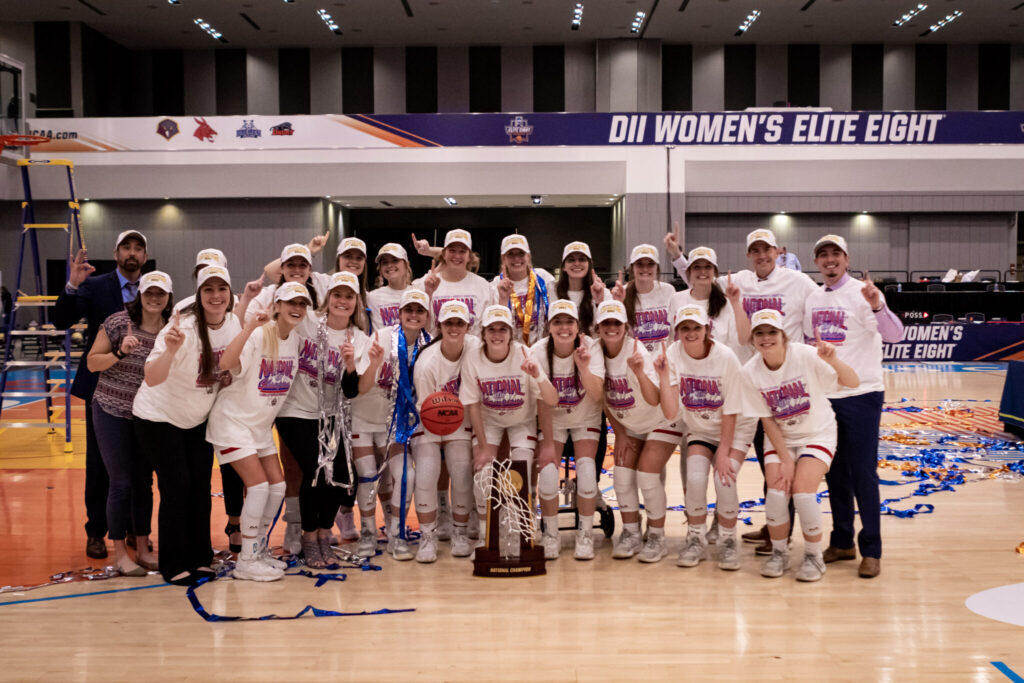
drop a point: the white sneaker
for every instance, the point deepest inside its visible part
(427, 552)
(398, 548)
(628, 545)
(367, 545)
(654, 549)
(444, 521)
(712, 536)
(811, 569)
(474, 524)
(293, 538)
(254, 570)
(552, 546)
(584, 546)
(346, 525)
(692, 551)
(728, 555)
(461, 545)
(264, 556)
(776, 565)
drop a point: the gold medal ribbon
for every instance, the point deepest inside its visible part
(524, 310)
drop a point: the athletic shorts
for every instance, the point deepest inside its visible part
(711, 441)
(562, 434)
(421, 435)
(669, 432)
(229, 454)
(823, 447)
(519, 436)
(369, 435)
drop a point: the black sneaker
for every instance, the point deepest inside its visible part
(96, 548)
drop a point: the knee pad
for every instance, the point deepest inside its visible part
(776, 507)
(401, 465)
(626, 494)
(727, 504)
(524, 454)
(586, 477)
(547, 482)
(682, 467)
(654, 494)
(252, 508)
(366, 469)
(275, 494)
(458, 457)
(696, 494)
(428, 471)
(809, 512)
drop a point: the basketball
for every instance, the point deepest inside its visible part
(441, 413)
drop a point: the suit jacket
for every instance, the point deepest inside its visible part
(96, 299)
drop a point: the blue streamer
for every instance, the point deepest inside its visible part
(1008, 672)
(321, 578)
(406, 417)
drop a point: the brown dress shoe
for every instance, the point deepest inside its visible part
(764, 547)
(870, 567)
(833, 554)
(759, 536)
(96, 548)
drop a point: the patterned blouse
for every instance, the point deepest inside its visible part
(117, 385)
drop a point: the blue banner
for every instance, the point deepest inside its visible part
(964, 342)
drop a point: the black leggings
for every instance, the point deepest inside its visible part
(183, 461)
(231, 485)
(319, 504)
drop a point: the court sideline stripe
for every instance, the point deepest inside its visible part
(85, 595)
(1008, 672)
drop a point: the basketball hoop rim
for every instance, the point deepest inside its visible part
(20, 140)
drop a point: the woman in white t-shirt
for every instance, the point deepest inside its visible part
(451, 280)
(439, 368)
(786, 385)
(575, 365)
(394, 275)
(646, 298)
(502, 389)
(645, 434)
(708, 374)
(380, 425)
(527, 291)
(729, 324)
(335, 334)
(170, 411)
(263, 360)
(579, 283)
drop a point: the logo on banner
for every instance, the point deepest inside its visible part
(519, 130)
(205, 132)
(249, 129)
(167, 129)
(282, 129)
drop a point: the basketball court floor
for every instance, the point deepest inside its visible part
(921, 619)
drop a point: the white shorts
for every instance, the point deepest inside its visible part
(713, 440)
(669, 432)
(229, 454)
(822, 448)
(421, 435)
(519, 436)
(562, 434)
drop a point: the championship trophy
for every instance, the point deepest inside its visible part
(509, 549)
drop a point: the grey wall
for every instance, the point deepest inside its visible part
(708, 77)
(325, 81)
(17, 40)
(389, 80)
(771, 78)
(836, 73)
(453, 79)
(516, 78)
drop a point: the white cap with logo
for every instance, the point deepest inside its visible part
(343, 278)
(766, 316)
(511, 242)
(351, 243)
(453, 309)
(460, 236)
(497, 314)
(577, 248)
(210, 272)
(293, 250)
(291, 290)
(830, 239)
(694, 312)
(703, 254)
(762, 235)
(211, 257)
(642, 251)
(393, 249)
(610, 310)
(414, 296)
(130, 233)
(156, 278)
(563, 307)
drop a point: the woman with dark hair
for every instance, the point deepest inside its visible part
(580, 284)
(728, 323)
(645, 297)
(170, 412)
(123, 342)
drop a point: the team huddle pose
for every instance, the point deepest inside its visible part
(760, 357)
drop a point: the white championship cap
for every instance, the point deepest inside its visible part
(351, 243)
(395, 250)
(453, 309)
(563, 307)
(291, 290)
(130, 233)
(460, 236)
(610, 310)
(210, 272)
(300, 250)
(156, 278)
(703, 254)
(511, 242)
(343, 278)
(830, 239)
(694, 312)
(497, 314)
(414, 296)
(644, 251)
(766, 316)
(761, 235)
(577, 248)
(211, 257)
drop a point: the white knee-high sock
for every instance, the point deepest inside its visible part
(252, 512)
(397, 465)
(460, 468)
(275, 494)
(428, 471)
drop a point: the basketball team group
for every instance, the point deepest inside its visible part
(762, 357)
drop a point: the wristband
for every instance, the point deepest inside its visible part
(70, 288)
(117, 353)
(879, 309)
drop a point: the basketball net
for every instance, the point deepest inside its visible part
(517, 517)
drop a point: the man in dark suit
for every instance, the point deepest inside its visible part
(95, 297)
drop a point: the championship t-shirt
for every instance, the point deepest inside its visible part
(575, 407)
(383, 304)
(434, 372)
(472, 290)
(652, 319)
(507, 394)
(709, 388)
(723, 325)
(375, 406)
(623, 396)
(844, 318)
(538, 313)
(783, 290)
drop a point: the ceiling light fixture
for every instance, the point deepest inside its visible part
(910, 14)
(450, 201)
(173, 2)
(577, 16)
(214, 33)
(322, 13)
(748, 22)
(638, 21)
(537, 199)
(948, 19)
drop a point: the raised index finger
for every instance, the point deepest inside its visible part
(817, 336)
(867, 276)
(523, 349)
(634, 345)
(177, 318)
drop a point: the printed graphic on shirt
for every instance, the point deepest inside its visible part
(618, 394)
(275, 376)
(386, 378)
(453, 385)
(389, 315)
(701, 395)
(651, 327)
(502, 394)
(470, 302)
(753, 304)
(570, 393)
(207, 383)
(788, 402)
(308, 355)
(831, 323)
